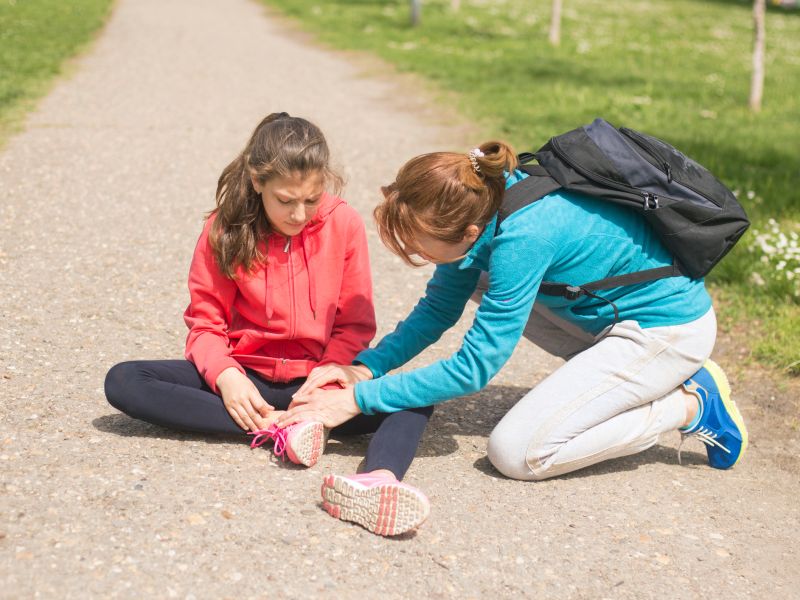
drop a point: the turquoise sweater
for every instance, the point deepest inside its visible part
(563, 237)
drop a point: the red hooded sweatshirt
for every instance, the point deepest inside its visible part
(308, 304)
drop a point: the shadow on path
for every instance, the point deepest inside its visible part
(435, 443)
(656, 454)
(474, 415)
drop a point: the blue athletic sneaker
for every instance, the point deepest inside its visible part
(720, 425)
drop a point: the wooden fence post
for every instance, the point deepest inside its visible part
(555, 23)
(416, 8)
(759, 43)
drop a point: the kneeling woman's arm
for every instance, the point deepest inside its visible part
(501, 317)
(489, 343)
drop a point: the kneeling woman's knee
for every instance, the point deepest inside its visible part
(118, 382)
(508, 456)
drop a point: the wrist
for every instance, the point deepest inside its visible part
(226, 376)
(359, 401)
(362, 371)
(355, 409)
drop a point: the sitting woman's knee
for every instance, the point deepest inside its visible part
(118, 380)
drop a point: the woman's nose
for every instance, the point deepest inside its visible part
(299, 214)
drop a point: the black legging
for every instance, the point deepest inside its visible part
(171, 393)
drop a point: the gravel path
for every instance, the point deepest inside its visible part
(102, 199)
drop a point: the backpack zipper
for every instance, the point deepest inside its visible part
(645, 145)
(660, 162)
(649, 201)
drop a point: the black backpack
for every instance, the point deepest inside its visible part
(696, 217)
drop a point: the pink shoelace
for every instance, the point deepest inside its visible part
(273, 432)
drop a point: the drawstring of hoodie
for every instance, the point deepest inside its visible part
(311, 289)
(269, 308)
(311, 292)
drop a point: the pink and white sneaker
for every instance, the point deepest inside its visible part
(302, 442)
(377, 502)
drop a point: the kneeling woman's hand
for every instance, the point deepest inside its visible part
(343, 375)
(330, 407)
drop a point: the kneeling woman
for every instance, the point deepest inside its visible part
(619, 389)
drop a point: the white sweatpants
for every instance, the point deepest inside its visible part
(613, 397)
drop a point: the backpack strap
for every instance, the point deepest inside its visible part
(573, 292)
(529, 190)
(672, 270)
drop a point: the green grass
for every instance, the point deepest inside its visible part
(36, 36)
(678, 69)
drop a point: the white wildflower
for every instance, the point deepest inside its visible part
(779, 250)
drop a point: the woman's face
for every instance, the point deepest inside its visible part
(439, 252)
(292, 201)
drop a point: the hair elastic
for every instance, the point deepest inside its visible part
(474, 154)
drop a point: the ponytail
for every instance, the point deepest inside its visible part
(491, 164)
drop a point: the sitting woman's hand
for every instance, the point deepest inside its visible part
(344, 375)
(243, 401)
(330, 407)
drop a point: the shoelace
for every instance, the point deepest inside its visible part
(273, 432)
(705, 435)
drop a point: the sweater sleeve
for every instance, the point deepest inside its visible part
(445, 297)
(211, 296)
(354, 324)
(516, 268)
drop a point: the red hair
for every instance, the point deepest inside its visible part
(441, 194)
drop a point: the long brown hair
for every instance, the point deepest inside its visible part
(440, 195)
(279, 146)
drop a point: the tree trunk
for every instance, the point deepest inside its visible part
(455, 5)
(760, 36)
(555, 23)
(416, 8)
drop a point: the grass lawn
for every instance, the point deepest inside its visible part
(36, 36)
(678, 69)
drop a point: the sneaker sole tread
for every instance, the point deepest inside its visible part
(308, 445)
(388, 509)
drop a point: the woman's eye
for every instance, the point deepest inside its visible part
(285, 202)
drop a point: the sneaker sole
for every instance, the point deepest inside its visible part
(725, 392)
(307, 445)
(389, 509)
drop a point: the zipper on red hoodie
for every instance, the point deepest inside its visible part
(281, 374)
(292, 307)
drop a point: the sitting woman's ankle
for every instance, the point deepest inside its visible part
(382, 473)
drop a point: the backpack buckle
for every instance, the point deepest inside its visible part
(572, 292)
(650, 201)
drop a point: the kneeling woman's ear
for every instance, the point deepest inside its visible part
(472, 233)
